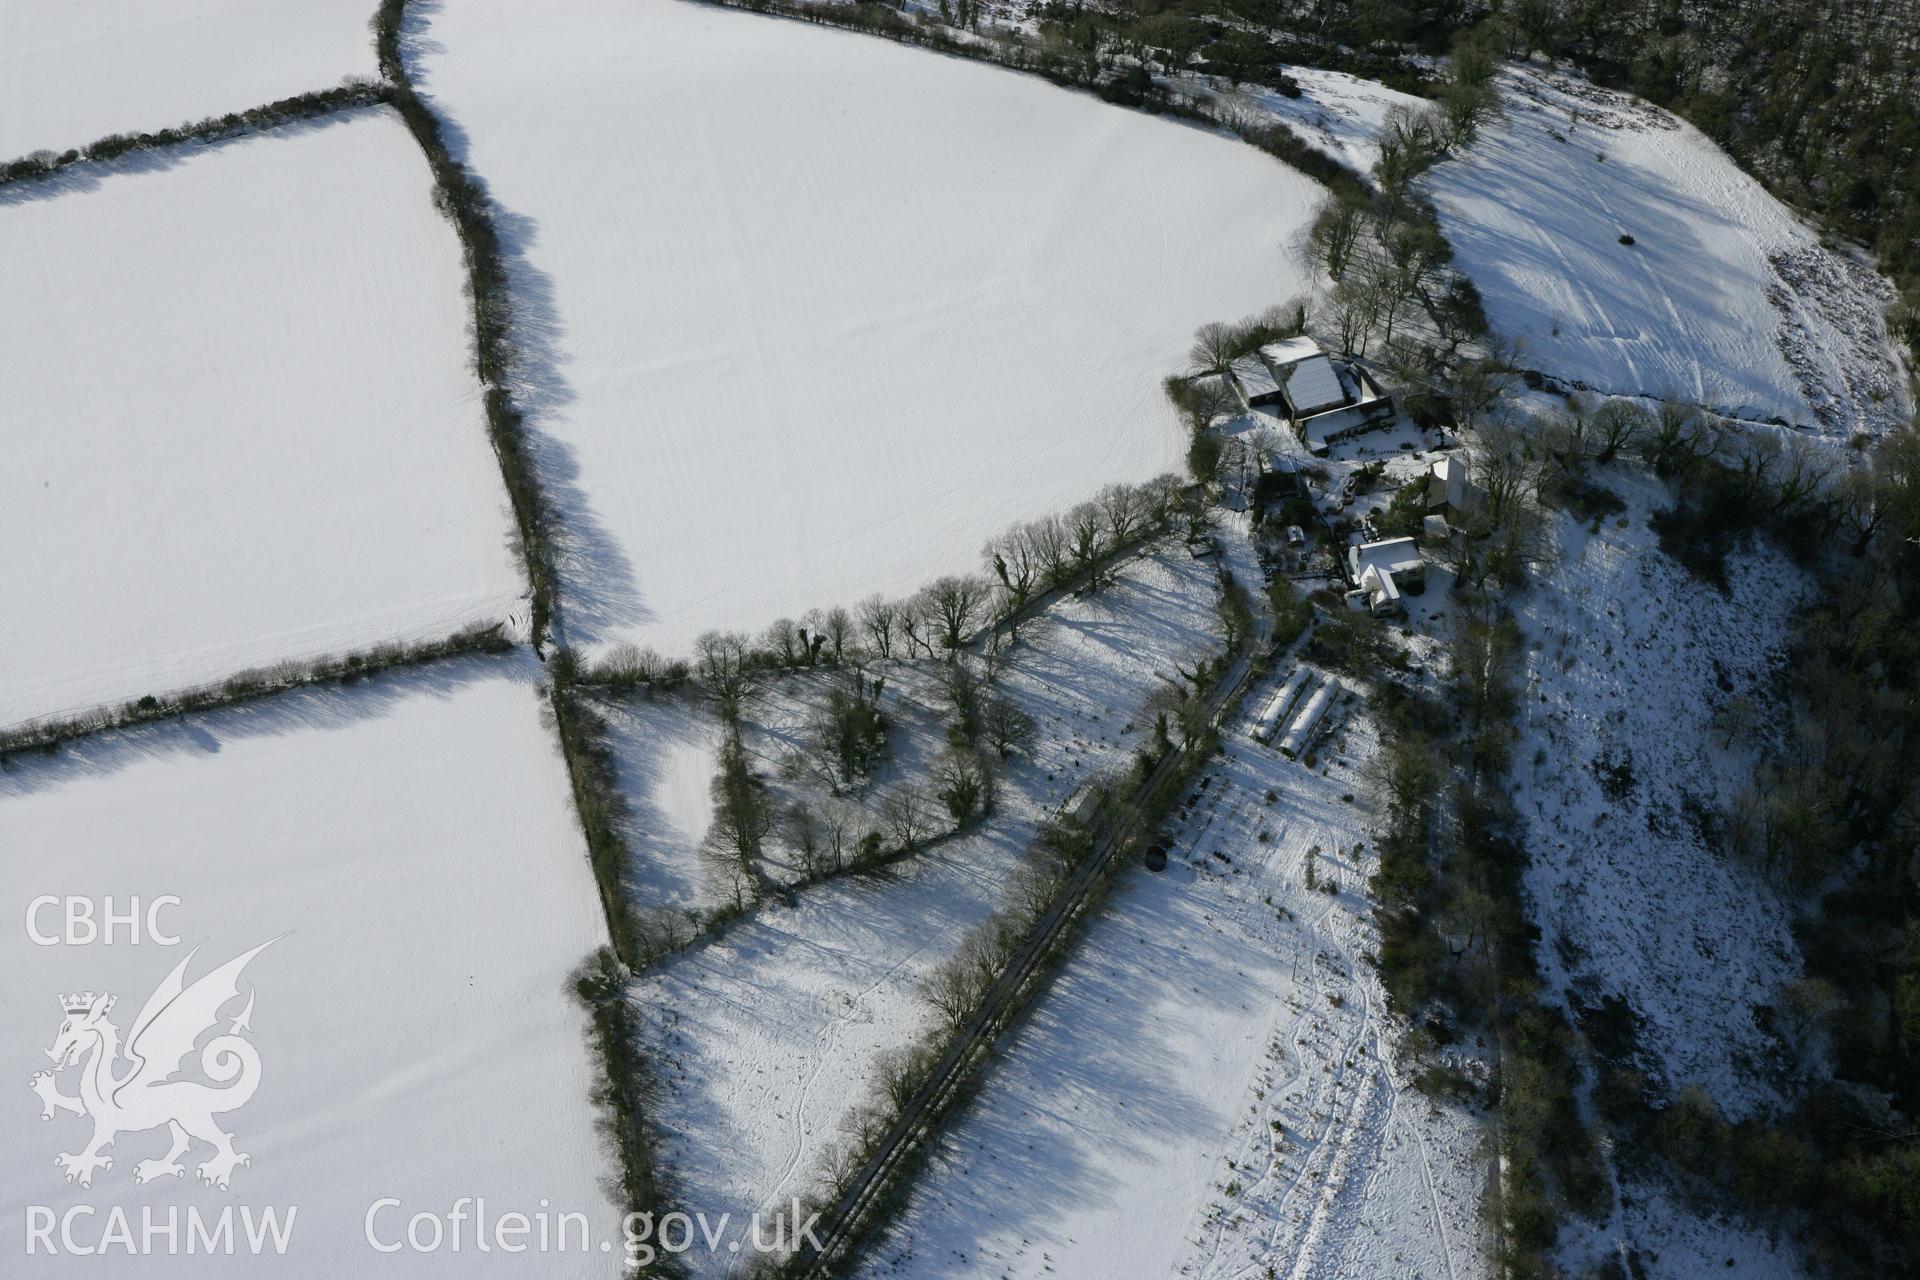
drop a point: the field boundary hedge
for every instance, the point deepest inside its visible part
(466, 204)
(351, 93)
(251, 685)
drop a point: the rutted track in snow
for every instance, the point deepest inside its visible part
(1190, 1020)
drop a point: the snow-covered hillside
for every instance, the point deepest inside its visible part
(410, 843)
(1620, 778)
(809, 315)
(1725, 296)
(241, 426)
(77, 70)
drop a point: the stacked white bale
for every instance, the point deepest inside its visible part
(1308, 720)
(1278, 707)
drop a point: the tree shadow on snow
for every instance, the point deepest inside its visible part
(91, 175)
(1081, 1088)
(321, 707)
(599, 593)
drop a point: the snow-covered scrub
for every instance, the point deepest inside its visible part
(1664, 1235)
(765, 1041)
(406, 848)
(1619, 247)
(79, 70)
(240, 425)
(807, 315)
(1622, 778)
(1341, 114)
(667, 750)
(1209, 1089)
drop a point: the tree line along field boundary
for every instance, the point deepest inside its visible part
(351, 93)
(941, 1076)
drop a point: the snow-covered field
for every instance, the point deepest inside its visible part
(811, 314)
(410, 844)
(766, 1039)
(666, 751)
(240, 422)
(1725, 297)
(1619, 773)
(77, 70)
(1208, 1088)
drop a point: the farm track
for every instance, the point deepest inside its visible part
(1327, 1078)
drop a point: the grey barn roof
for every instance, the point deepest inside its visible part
(1312, 383)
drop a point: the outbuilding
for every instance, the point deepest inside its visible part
(1449, 491)
(1325, 400)
(1382, 572)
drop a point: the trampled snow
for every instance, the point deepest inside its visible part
(1209, 1087)
(411, 844)
(1725, 297)
(809, 315)
(241, 425)
(78, 70)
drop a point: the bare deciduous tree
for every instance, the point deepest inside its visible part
(1504, 468)
(837, 625)
(1334, 234)
(742, 818)
(908, 815)
(1049, 538)
(1353, 309)
(1679, 435)
(879, 620)
(1124, 510)
(1015, 561)
(1413, 256)
(1162, 496)
(965, 786)
(1803, 479)
(1476, 386)
(1007, 728)
(965, 694)
(917, 625)
(951, 603)
(787, 641)
(953, 990)
(1083, 526)
(727, 673)
(1215, 346)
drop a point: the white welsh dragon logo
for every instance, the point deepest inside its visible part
(145, 1095)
